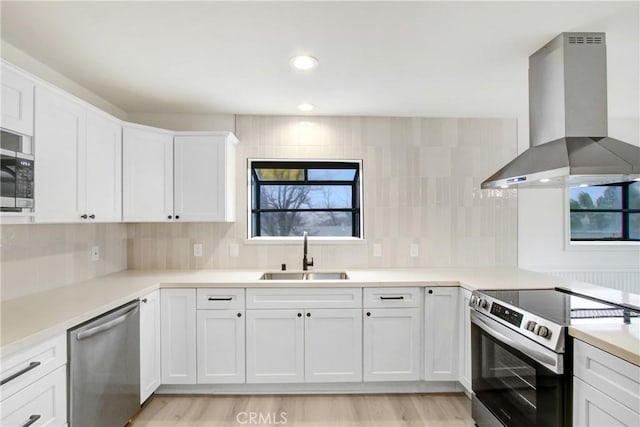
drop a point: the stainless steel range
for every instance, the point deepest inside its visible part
(522, 354)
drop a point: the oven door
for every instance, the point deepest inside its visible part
(517, 381)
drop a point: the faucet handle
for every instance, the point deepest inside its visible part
(310, 263)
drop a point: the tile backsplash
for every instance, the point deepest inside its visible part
(421, 184)
(39, 257)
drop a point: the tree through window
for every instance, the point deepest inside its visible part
(605, 212)
(320, 197)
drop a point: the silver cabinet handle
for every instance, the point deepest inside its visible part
(105, 326)
(31, 366)
(400, 297)
(32, 419)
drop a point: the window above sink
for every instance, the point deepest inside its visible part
(288, 197)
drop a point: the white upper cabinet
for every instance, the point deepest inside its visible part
(147, 176)
(17, 102)
(204, 177)
(60, 143)
(189, 179)
(441, 333)
(103, 169)
(78, 161)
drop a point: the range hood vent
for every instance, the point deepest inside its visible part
(568, 121)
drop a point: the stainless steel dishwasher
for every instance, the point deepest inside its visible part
(104, 369)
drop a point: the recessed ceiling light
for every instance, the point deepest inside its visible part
(305, 106)
(303, 62)
(584, 185)
(545, 180)
(504, 186)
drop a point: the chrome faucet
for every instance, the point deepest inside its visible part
(305, 261)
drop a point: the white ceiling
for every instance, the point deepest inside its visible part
(376, 58)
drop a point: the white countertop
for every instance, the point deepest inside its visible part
(30, 319)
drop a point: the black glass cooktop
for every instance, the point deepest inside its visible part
(564, 308)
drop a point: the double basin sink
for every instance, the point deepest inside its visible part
(286, 275)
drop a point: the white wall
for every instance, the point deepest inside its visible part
(186, 122)
(542, 242)
(28, 63)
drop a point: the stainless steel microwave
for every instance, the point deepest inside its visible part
(17, 174)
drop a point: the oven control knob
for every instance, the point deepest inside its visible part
(542, 331)
(531, 325)
(482, 303)
(473, 300)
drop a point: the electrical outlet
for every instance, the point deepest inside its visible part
(414, 250)
(377, 249)
(95, 253)
(197, 249)
(234, 250)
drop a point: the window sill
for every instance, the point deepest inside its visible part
(312, 240)
(602, 245)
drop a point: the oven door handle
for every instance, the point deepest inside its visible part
(547, 358)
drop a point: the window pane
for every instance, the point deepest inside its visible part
(280, 174)
(331, 174)
(284, 197)
(634, 226)
(634, 195)
(589, 225)
(601, 197)
(305, 197)
(315, 223)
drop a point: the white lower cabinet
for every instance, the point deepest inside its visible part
(593, 408)
(464, 346)
(275, 346)
(220, 349)
(606, 389)
(441, 333)
(333, 345)
(42, 403)
(391, 344)
(178, 336)
(150, 369)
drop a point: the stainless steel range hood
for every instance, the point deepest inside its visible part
(568, 121)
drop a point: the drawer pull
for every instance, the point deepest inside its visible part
(220, 299)
(31, 366)
(32, 419)
(400, 297)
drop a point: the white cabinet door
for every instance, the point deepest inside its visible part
(220, 346)
(178, 336)
(147, 171)
(391, 344)
(43, 403)
(592, 408)
(275, 346)
(441, 333)
(150, 369)
(201, 178)
(103, 169)
(333, 345)
(464, 314)
(59, 145)
(17, 102)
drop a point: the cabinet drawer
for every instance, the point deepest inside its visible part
(611, 375)
(301, 298)
(223, 299)
(44, 402)
(391, 297)
(23, 368)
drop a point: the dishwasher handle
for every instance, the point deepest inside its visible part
(105, 326)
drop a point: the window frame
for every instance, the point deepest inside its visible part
(625, 211)
(306, 164)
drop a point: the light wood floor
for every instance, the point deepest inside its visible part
(357, 410)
